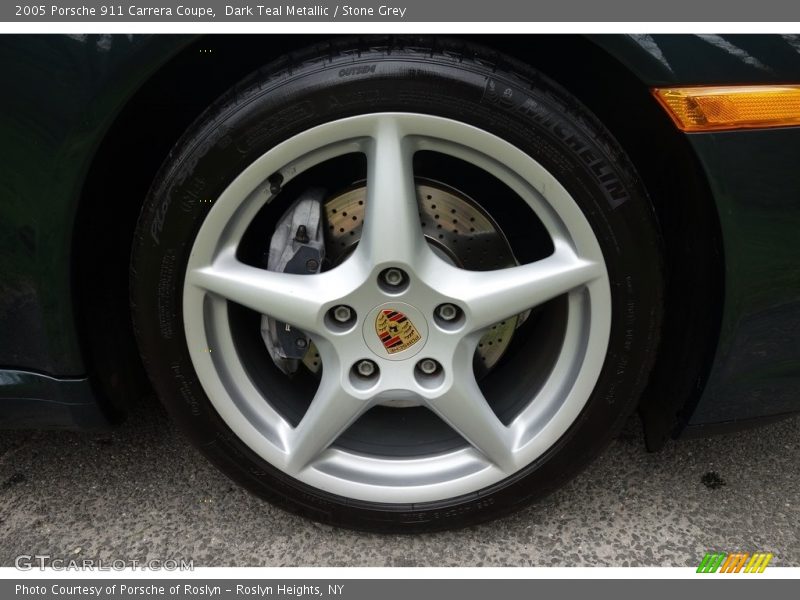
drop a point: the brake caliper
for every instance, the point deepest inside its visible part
(297, 246)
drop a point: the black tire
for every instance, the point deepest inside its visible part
(461, 83)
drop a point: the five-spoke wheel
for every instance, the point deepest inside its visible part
(439, 311)
(398, 288)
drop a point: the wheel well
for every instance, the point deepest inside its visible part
(166, 105)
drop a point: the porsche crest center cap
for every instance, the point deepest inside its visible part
(395, 330)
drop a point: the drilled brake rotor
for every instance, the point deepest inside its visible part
(453, 224)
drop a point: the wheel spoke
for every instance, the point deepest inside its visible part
(465, 409)
(490, 296)
(391, 230)
(330, 413)
(294, 299)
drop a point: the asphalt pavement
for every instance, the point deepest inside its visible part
(143, 493)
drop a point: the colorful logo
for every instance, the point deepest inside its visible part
(738, 562)
(396, 331)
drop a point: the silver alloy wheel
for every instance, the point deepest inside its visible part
(308, 452)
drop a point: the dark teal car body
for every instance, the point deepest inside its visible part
(85, 122)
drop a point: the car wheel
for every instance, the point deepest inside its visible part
(398, 288)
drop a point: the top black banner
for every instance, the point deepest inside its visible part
(390, 11)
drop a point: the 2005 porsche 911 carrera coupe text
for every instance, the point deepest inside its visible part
(401, 283)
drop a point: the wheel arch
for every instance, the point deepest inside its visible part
(169, 100)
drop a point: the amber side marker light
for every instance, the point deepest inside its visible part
(728, 107)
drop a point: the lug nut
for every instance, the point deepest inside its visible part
(428, 366)
(393, 277)
(447, 312)
(342, 313)
(366, 368)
